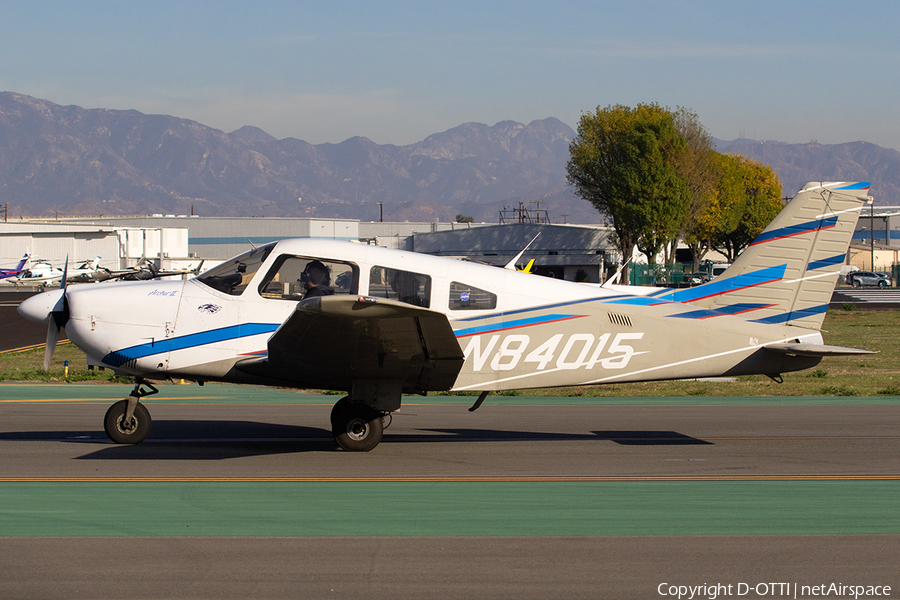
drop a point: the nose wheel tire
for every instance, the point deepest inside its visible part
(133, 432)
(356, 427)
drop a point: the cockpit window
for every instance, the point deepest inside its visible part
(234, 275)
(298, 277)
(405, 286)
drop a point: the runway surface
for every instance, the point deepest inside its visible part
(240, 492)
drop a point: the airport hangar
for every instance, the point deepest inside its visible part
(573, 252)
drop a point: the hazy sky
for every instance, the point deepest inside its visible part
(397, 71)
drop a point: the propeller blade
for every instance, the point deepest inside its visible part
(62, 284)
(52, 338)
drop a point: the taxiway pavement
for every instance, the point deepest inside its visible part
(240, 492)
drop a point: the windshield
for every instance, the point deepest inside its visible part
(233, 275)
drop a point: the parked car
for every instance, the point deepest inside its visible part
(868, 278)
(697, 278)
(719, 268)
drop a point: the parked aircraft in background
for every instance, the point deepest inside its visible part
(40, 273)
(378, 323)
(84, 269)
(5, 273)
(143, 271)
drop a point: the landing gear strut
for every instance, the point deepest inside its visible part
(128, 421)
(356, 427)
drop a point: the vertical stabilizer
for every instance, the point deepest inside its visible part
(788, 273)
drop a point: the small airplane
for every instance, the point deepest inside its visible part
(379, 323)
(5, 273)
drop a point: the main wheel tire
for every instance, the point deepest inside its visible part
(120, 432)
(357, 428)
(337, 411)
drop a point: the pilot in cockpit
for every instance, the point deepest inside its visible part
(317, 280)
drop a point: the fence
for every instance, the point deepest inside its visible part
(672, 275)
(681, 274)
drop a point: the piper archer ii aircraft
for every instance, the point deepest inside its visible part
(378, 323)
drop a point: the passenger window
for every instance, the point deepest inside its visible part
(405, 286)
(297, 277)
(469, 297)
(233, 276)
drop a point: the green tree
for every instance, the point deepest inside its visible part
(624, 161)
(699, 165)
(722, 212)
(761, 191)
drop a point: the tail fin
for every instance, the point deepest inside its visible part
(788, 273)
(21, 265)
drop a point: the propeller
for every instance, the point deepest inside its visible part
(59, 315)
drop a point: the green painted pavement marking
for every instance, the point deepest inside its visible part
(168, 394)
(244, 394)
(292, 509)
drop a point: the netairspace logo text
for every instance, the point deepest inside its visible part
(773, 590)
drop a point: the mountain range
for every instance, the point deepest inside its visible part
(72, 161)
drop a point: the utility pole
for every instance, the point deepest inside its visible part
(872, 227)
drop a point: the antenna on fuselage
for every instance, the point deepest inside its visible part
(617, 274)
(252, 244)
(511, 265)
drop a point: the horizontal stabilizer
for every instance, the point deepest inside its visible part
(815, 350)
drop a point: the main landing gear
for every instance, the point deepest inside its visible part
(128, 421)
(356, 427)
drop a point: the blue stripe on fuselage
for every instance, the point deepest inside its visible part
(793, 315)
(120, 357)
(734, 309)
(713, 288)
(515, 324)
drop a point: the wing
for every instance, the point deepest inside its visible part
(331, 341)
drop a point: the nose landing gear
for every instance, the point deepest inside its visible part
(128, 421)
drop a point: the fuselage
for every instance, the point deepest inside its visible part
(516, 330)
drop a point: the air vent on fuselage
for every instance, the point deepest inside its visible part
(620, 320)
